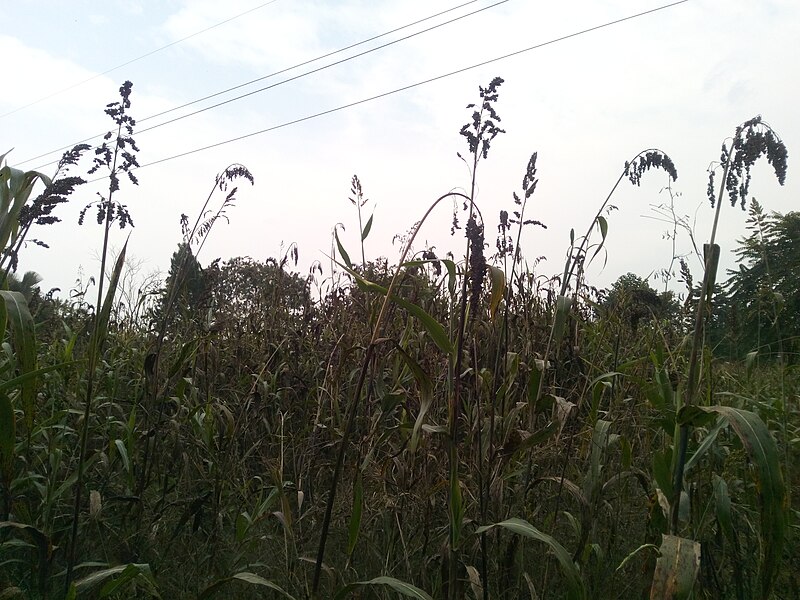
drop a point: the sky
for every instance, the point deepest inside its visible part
(679, 79)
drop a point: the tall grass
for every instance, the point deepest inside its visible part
(444, 427)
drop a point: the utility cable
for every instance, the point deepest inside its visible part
(133, 60)
(273, 74)
(410, 86)
(322, 68)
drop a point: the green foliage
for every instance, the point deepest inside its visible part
(761, 308)
(632, 300)
(190, 283)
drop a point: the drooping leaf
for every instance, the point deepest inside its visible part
(763, 454)
(126, 576)
(19, 316)
(705, 445)
(572, 577)
(123, 454)
(342, 251)
(433, 327)
(603, 224)
(498, 280)
(367, 228)
(634, 553)
(355, 517)
(247, 577)
(401, 587)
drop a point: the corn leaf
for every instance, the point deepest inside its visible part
(355, 517)
(401, 587)
(763, 454)
(247, 577)
(16, 307)
(575, 588)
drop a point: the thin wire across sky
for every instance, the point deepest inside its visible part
(268, 76)
(380, 95)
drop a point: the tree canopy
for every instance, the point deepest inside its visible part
(762, 295)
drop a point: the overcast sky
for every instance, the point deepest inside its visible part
(679, 79)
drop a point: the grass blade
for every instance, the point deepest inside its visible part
(401, 587)
(355, 517)
(575, 588)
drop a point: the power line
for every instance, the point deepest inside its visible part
(273, 74)
(133, 60)
(410, 86)
(322, 68)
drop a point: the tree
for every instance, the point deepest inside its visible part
(185, 272)
(632, 299)
(764, 291)
(28, 286)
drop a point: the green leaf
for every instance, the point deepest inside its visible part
(601, 438)
(676, 569)
(527, 440)
(723, 507)
(123, 454)
(425, 396)
(434, 328)
(403, 588)
(603, 223)
(32, 375)
(247, 577)
(563, 304)
(695, 416)
(98, 337)
(128, 574)
(575, 588)
(763, 453)
(24, 348)
(705, 445)
(451, 276)
(342, 251)
(367, 228)
(355, 518)
(15, 189)
(634, 553)
(662, 471)
(498, 279)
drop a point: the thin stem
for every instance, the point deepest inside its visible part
(694, 368)
(90, 380)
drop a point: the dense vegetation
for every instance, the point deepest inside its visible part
(442, 428)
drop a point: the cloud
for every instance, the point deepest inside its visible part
(674, 80)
